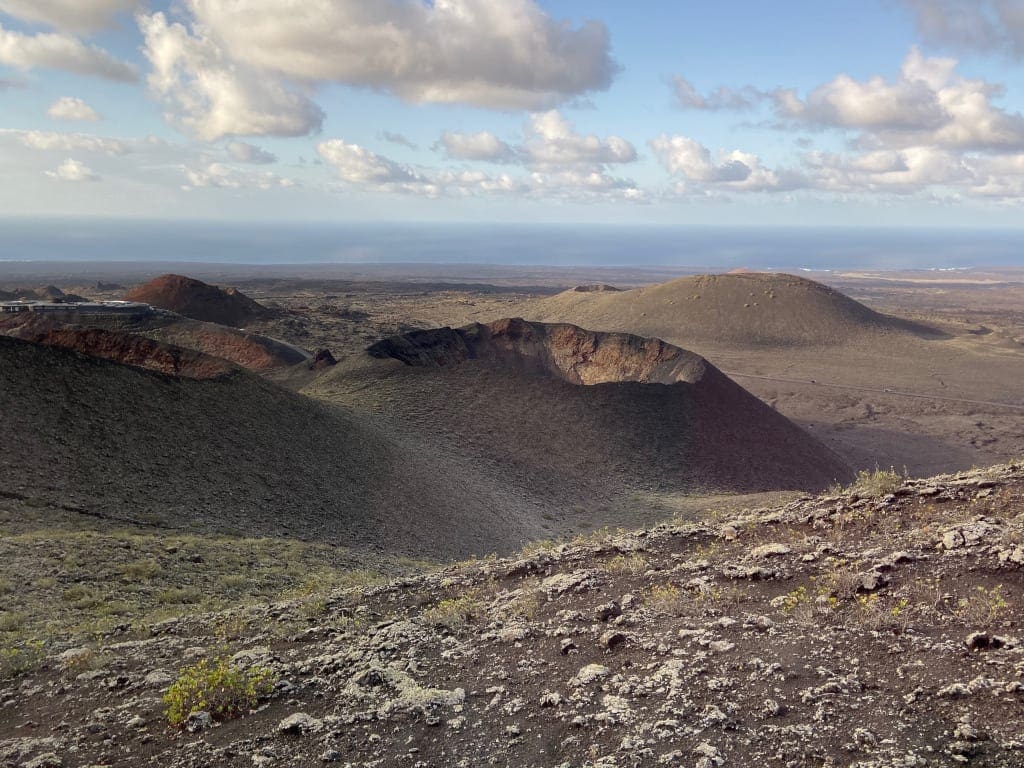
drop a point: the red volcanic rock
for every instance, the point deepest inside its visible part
(198, 300)
(118, 347)
(322, 359)
(596, 288)
(249, 350)
(564, 351)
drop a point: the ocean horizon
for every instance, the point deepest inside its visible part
(265, 243)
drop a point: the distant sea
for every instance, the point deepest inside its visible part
(507, 244)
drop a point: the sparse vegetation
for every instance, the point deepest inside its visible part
(876, 613)
(872, 484)
(454, 612)
(80, 577)
(218, 687)
(12, 621)
(20, 657)
(982, 607)
(667, 598)
(634, 564)
(179, 595)
(526, 606)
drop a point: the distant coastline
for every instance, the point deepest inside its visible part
(520, 245)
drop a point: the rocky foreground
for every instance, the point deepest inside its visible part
(877, 627)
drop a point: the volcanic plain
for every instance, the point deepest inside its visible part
(226, 478)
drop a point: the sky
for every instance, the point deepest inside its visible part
(889, 113)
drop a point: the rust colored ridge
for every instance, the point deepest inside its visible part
(118, 347)
(198, 300)
(748, 308)
(563, 351)
(249, 350)
(596, 288)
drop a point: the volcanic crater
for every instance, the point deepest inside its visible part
(577, 414)
(558, 350)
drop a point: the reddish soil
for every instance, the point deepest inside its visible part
(249, 350)
(118, 347)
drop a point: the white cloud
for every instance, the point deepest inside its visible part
(242, 152)
(73, 170)
(722, 98)
(737, 171)
(475, 146)
(983, 25)
(585, 185)
(356, 165)
(927, 105)
(220, 176)
(561, 163)
(211, 96)
(248, 67)
(69, 108)
(60, 51)
(79, 16)
(554, 143)
(503, 55)
(71, 142)
(904, 171)
(941, 173)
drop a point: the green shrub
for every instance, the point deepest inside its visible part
(216, 687)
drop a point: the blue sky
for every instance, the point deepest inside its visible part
(889, 113)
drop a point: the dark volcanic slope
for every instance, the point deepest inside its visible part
(747, 309)
(234, 454)
(581, 416)
(198, 300)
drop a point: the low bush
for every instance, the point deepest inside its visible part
(218, 687)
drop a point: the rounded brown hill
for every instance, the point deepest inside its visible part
(198, 300)
(578, 416)
(741, 308)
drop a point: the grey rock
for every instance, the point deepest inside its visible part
(198, 721)
(299, 723)
(589, 674)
